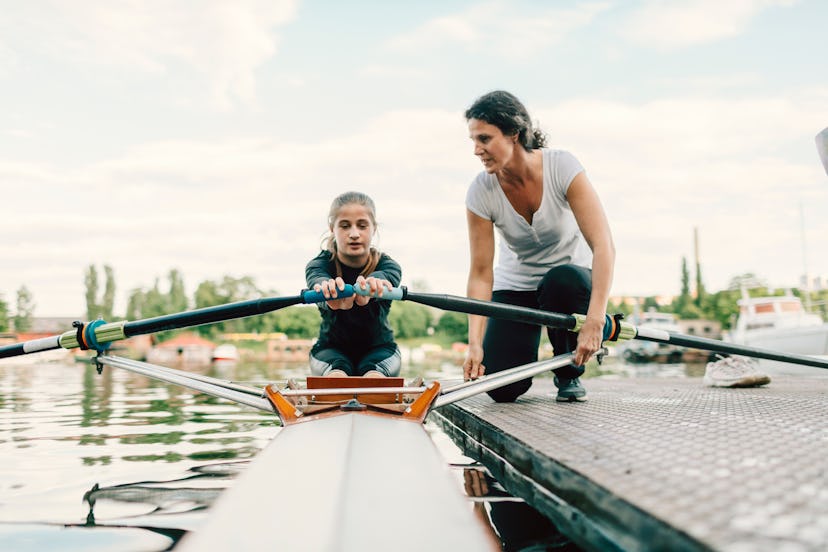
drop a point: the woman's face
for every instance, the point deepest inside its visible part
(353, 230)
(490, 144)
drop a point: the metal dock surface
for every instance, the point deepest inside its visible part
(663, 463)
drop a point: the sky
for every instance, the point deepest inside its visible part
(212, 136)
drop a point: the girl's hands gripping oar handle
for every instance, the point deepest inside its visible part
(310, 296)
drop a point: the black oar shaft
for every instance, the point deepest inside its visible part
(729, 348)
(209, 315)
(103, 333)
(495, 310)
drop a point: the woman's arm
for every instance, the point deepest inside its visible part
(589, 213)
(481, 277)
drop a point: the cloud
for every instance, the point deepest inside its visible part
(258, 206)
(222, 43)
(737, 169)
(676, 24)
(497, 27)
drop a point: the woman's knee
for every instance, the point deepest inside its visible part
(510, 393)
(566, 287)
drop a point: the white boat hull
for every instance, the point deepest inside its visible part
(805, 340)
(351, 482)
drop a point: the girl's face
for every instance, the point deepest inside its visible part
(353, 230)
(490, 144)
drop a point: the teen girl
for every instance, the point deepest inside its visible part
(355, 338)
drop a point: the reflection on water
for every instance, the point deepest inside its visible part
(117, 461)
(517, 526)
(82, 450)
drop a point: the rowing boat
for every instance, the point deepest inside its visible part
(352, 469)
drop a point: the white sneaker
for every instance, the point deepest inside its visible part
(734, 372)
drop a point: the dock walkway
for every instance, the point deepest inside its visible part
(663, 463)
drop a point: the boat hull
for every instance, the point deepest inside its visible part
(805, 340)
(355, 481)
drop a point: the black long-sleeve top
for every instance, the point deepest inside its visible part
(358, 329)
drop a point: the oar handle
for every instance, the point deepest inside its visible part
(311, 296)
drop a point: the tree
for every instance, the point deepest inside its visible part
(177, 296)
(682, 302)
(108, 300)
(454, 325)
(229, 290)
(298, 322)
(700, 291)
(103, 308)
(90, 281)
(135, 304)
(722, 306)
(747, 280)
(409, 319)
(4, 315)
(25, 310)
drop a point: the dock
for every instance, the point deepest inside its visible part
(663, 463)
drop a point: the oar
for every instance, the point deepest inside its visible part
(614, 329)
(216, 388)
(99, 335)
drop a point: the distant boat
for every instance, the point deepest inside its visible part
(781, 324)
(650, 351)
(226, 352)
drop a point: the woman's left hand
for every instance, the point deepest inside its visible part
(590, 339)
(375, 285)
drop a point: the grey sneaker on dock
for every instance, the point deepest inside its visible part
(734, 372)
(570, 390)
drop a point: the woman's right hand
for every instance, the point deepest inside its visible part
(473, 366)
(329, 289)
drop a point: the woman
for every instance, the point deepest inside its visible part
(556, 250)
(355, 338)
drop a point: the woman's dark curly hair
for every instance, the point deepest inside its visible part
(506, 112)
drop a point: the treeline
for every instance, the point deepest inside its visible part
(21, 321)
(409, 320)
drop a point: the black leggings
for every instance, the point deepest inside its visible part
(385, 359)
(565, 289)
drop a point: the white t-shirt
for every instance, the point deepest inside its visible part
(527, 252)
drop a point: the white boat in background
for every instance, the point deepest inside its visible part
(226, 352)
(650, 351)
(781, 324)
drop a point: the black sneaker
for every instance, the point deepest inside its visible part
(570, 390)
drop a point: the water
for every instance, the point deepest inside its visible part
(120, 462)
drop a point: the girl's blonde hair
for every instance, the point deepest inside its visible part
(339, 202)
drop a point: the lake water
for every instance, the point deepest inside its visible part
(119, 462)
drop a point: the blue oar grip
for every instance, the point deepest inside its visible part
(311, 296)
(396, 293)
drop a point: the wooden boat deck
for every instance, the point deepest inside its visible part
(663, 463)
